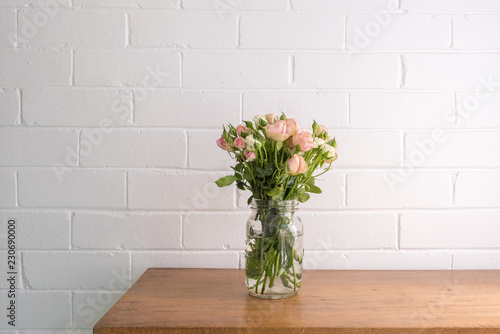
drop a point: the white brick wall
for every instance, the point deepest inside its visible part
(109, 111)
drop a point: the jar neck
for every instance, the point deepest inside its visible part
(291, 205)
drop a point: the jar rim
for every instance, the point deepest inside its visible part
(274, 203)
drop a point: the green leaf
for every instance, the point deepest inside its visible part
(260, 173)
(225, 181)
(313, 189)
(248, 124)
(240, 185)
(238, 167)
(310, 182)
(304, 197)
(249, 200)
(275, 192)
(247, 175)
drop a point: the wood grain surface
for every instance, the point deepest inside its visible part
(214, 301)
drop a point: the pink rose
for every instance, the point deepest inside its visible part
(305, 140)
(297, 165)
(222, 143)
(240, 128)
(240, 143)
(320, 130)
(292, 127)
(278, 131)
(271, 118)
(282, 130)
(250, 155)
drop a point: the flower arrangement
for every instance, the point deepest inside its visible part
(275, 160)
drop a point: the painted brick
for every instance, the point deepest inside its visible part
(450, 230)
(71, 28)
(356, 148)
(328, 108)
(168, 4)
(439, 71)
(186, 108)
(476, 261)
(230, 231)
(69, 107)
(223, 7)
(474, 32)
(89, 307)
(477, 189)
(36, 147)
(185, 29)
(71, 188)
(236, 70)
(346, 71)
(192, 259)
(9, 107)
(40, 230)
(386, 190)
(345, 6)
(402, 110)
(381, 260)
(397, 32)
(332, 185)
(202, 144)
(35, 3)
(8, 186)
(126, 231)
(7, 27)
(34, 68)
(450, 6)
(286, 31)
(452, 149)
(349, 231)
(143, 68)
(177, 191)
(43, 309)
(477, 111)
(77, 270)
(132, 148)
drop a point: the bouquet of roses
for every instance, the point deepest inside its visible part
(275, 160)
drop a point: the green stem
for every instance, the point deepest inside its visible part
(257, 283)
(276, 268)
(294, 276)
(264, 284)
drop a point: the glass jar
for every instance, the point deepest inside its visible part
(274, 249)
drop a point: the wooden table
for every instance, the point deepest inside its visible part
(216, 301)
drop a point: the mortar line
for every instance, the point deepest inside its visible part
(132, 110)
(349, 109)
(241, 107)
(16, 184)
(20, 111)
(72, 70)
(345, 190)
(451, 34)
(238, 31)
(126, 190)
(181, 70)
(127, 31)
(399, 232)
(186, 161)
(71, 218)
(16, 28)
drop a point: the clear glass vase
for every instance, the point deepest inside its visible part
(274, 250)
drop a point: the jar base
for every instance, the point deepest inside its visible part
(273, 295)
